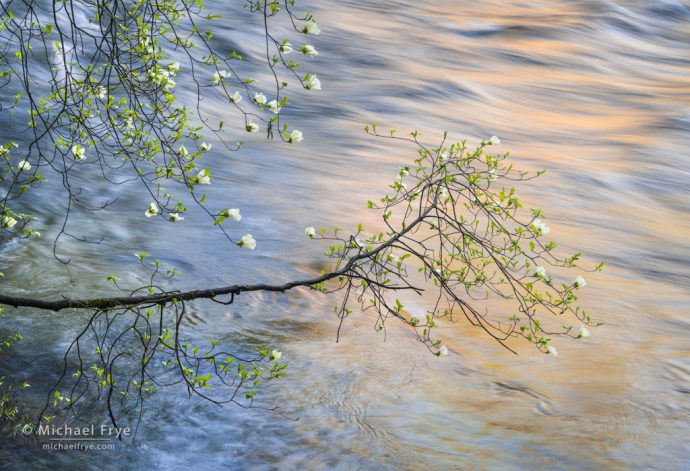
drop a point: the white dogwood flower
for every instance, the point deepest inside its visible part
(101, 92)
(539, 227)
(295, 136)
(443, 350)
(260, 99)
(276, 355)
(79, 152)
(174, 68)
(161, 77)
(204, 177)
(583, 332)
(206, 146)
(23, 166)
(8, 222)
(247, 242)
(182, 150)
(310, 27)
(273, 106)
(235, 97)
(252, 127)
(233, 214)
(286, 48)
(494, 140)
(219, 76)
(552, 350)
(152, 210)
(309, 50)
(580, 282)
(174, 217)
(311, 82)
(541, 272)
(310, 232)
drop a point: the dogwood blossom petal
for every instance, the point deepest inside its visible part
(247, 242)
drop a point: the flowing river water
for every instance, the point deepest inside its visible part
(597, 92)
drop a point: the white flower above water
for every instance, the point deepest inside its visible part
(8, 222)
(161, 77)
(169, 85)
(182, 150)
(174, 217)
(219, 76)
(204, 177)
(276, 355)
(286, 48)
(584, 333)
(309, 50)
(145, 43)
(206, 147)
(494, 141)
(174, 68)
(552, 350)
(295, 136)
(78, 152)
(235, 97)
(101, 92)
(273, 106)
(539, 227)
(311, 82)
(310, 232)
(152, 210)
(580, 282)
(443, 351)
(310, 27)
(233, 214)
(541, 272)
(260, 99)
(252, 127)
(247, 242)
(23, 166)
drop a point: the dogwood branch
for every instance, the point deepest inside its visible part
(232, 290)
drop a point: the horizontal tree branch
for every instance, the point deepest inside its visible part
(162, 298)
(169, 296)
